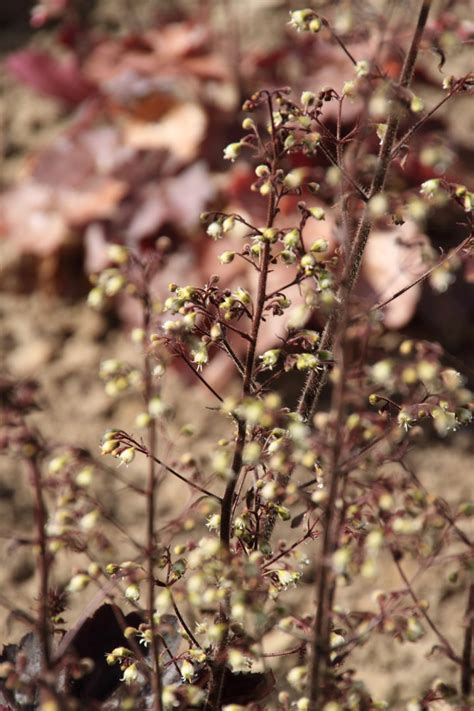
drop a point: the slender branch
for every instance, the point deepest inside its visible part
(444, 642)
(294, 545)
(183, 622)
(230, 351)
(454, 90)
(228, 498)
(200, 377)
(240, 333)
(293, 282)
(238, 218)
(294, 650)
(338, 164)
(339, 41)
(420, 279)
(440, 507)
(140, 448)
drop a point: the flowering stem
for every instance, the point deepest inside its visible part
(334, 329)
(183, 622)
(227, 501)
(247, 380)
(316, 379)
(442, 639)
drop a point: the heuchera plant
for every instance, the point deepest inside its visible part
(288, 472)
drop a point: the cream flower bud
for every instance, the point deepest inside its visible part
(318, 213)
(142, 420)
(226, 257)
(117, 253)
(96, 298)
(132, 592)
(362, 68)
(416, 104)
(232, 151)
(78, 583)
(228, 223)
(109, 446)
(320, 245)
(308, 98)
(127, 455)
(261, 171)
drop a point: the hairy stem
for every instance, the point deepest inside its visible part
(43, 558)
(325, 584)
(150, 531)
(467, 666)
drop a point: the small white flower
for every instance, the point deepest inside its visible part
(287, 577)
(270, 358)
(213, 522)
(430, 187)
(131, 674)
(187, 670)
(127, 455)
(362, 68)
(215, 230)
(405, 420)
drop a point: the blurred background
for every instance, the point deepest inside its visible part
(114, 117)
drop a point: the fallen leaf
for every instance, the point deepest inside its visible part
(180, 131)
(178, 200)
(59, 78)
(392, 261)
